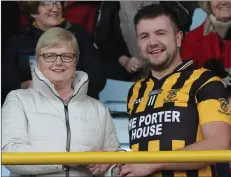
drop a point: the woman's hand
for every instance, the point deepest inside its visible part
(98, 169)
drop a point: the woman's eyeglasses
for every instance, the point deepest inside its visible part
(52, 57)
(50, 4)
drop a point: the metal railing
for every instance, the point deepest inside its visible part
(42, 158)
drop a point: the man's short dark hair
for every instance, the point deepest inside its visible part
(156, 10)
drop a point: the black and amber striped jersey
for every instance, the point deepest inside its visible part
(168, 114)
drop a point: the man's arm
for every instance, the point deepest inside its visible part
(214, 119)
(217, 136)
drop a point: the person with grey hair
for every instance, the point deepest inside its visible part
(56, 115)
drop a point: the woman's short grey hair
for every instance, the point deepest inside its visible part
(57, 37)
(206, 6)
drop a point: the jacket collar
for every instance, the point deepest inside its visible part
(42, 85)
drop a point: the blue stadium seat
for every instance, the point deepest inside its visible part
(114, 96)
(199, 17)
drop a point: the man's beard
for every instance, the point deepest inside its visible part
(163, 64)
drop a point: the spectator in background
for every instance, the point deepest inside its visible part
(209, 45)
(102, 19)
(114, 33)
(56, 115)
(16, 71)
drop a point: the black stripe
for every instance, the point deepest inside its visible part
(205, 76)
(168, 173)
(168, 105)
(222, 170)
(212, 90)
(214, 171)
(140, 94)
(184, 76)
(165, 145)
(143, 146)
(181, 80)
(192, 173)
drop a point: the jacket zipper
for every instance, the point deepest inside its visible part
(68, 142)
(68, 128)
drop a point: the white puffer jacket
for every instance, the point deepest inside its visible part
(36, 120)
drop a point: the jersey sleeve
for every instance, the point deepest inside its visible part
(212, 102)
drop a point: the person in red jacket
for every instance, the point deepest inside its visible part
(209, 45)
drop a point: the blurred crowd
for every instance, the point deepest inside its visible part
(106, 34)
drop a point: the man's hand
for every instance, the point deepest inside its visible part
(98, 169)
(26, 84)
(139, 169)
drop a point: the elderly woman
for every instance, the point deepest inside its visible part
(209, 45)
(20, 50)
(56, 115)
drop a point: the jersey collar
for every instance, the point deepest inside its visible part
(185, 66)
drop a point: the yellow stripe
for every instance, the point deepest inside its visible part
(135, 93)
(158, 174)
(183, 94)
(165, 89)
(135, 147)
(177, 144)
(199, 134)
(142, 105)
(154, 145)
(206, 172)
(210, 80)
